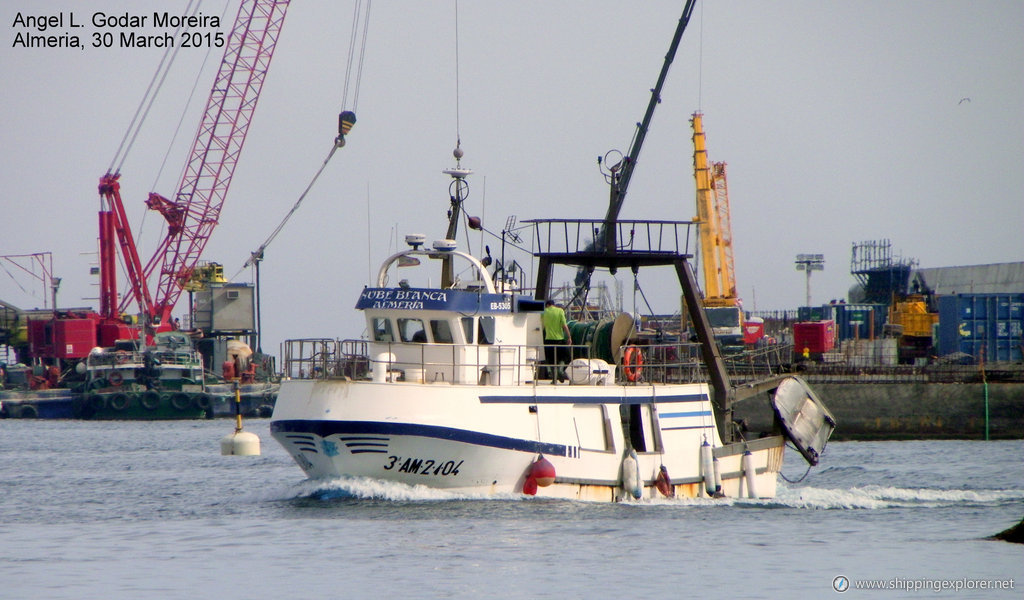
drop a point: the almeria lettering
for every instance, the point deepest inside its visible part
(399, 304)
(24, 40)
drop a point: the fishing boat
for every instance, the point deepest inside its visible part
(450, 389)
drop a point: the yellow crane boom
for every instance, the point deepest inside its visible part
(715, 228)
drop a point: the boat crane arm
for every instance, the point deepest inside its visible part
(620, 176)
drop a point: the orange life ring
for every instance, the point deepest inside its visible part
(115, 378)
(633, 363)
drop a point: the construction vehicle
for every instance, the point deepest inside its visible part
(721, 303)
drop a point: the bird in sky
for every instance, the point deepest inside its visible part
(962, 100)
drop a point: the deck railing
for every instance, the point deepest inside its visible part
(506, 364)
(572, 236)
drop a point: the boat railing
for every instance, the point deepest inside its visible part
(572, 236)
(120, 358)
(480, 364)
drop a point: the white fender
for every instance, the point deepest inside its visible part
(707, 468)
(631, 481)
(747, 464)
(718, 477)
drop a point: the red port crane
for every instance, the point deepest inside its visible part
(195, 210)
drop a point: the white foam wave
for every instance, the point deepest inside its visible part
(876, 496)
(375, 489)
(860, 497)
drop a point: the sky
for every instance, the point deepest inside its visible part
(840, 122)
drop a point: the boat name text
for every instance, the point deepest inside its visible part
(423, 466)
(404, 299)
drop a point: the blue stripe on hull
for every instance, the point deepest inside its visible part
(696, 413)
(326, 428)
(590, 399)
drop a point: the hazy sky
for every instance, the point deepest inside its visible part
(840, 122)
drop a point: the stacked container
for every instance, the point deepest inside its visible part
(989, 325)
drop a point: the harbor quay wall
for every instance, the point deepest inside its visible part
(903, 411)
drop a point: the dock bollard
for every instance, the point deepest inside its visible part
(239, 443)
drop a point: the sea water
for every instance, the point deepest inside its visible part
(152, 510)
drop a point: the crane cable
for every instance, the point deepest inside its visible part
(146, 103)
(346, 120)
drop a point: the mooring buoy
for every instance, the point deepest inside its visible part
(239, 442)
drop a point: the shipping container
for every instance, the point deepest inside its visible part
(982, 325)
(825, 312)
(816, 337)
(860, 321)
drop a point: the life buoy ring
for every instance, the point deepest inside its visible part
(150, 400)
(181, 401)
(633, 363)
(119, 401)
(115, 378)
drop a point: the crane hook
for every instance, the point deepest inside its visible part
(345, 122)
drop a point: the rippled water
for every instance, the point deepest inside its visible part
(131, 510)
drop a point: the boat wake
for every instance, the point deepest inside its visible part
(878, 496)
(363, 488)
(815, 498)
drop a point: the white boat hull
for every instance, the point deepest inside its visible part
(484, 439)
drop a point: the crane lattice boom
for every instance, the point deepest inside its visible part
(196, 208)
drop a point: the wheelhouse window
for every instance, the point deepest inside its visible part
(485, 332)
(382, 331)
(412, 330)
(442, 331)
(467, 329)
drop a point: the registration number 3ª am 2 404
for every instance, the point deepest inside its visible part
(423, 466)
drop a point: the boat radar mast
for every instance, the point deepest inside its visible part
(458, 191)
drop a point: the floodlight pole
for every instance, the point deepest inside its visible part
(808, 263)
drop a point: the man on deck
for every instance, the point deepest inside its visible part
(556, 339)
